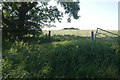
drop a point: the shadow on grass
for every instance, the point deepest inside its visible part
(64, 56)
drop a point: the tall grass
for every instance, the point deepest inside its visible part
(68, 57)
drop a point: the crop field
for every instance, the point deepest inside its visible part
(66, 55)
(86, 33)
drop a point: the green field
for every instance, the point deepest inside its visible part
(62, 56)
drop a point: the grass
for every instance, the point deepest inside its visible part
(66, 56)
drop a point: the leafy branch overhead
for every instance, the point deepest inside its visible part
(72, 8)
(22, 18)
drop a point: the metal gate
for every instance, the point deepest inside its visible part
(106, 35)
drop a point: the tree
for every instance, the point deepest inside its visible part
(22, 18)
(72, 8)
(14, 19)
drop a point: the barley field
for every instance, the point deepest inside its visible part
(85, 33)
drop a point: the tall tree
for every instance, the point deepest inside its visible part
(22, 18)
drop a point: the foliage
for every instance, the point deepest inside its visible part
(73, 10)
(69, 58)
(23, 18)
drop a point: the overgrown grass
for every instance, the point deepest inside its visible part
(65, 56)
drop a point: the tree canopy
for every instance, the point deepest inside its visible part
(22, 18)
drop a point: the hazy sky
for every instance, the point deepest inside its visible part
(94, 13)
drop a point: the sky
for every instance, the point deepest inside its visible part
(94, 14)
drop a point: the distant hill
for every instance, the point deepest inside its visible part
(72, 28)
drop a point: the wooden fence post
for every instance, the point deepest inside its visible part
(92, 35)
(49, 34)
